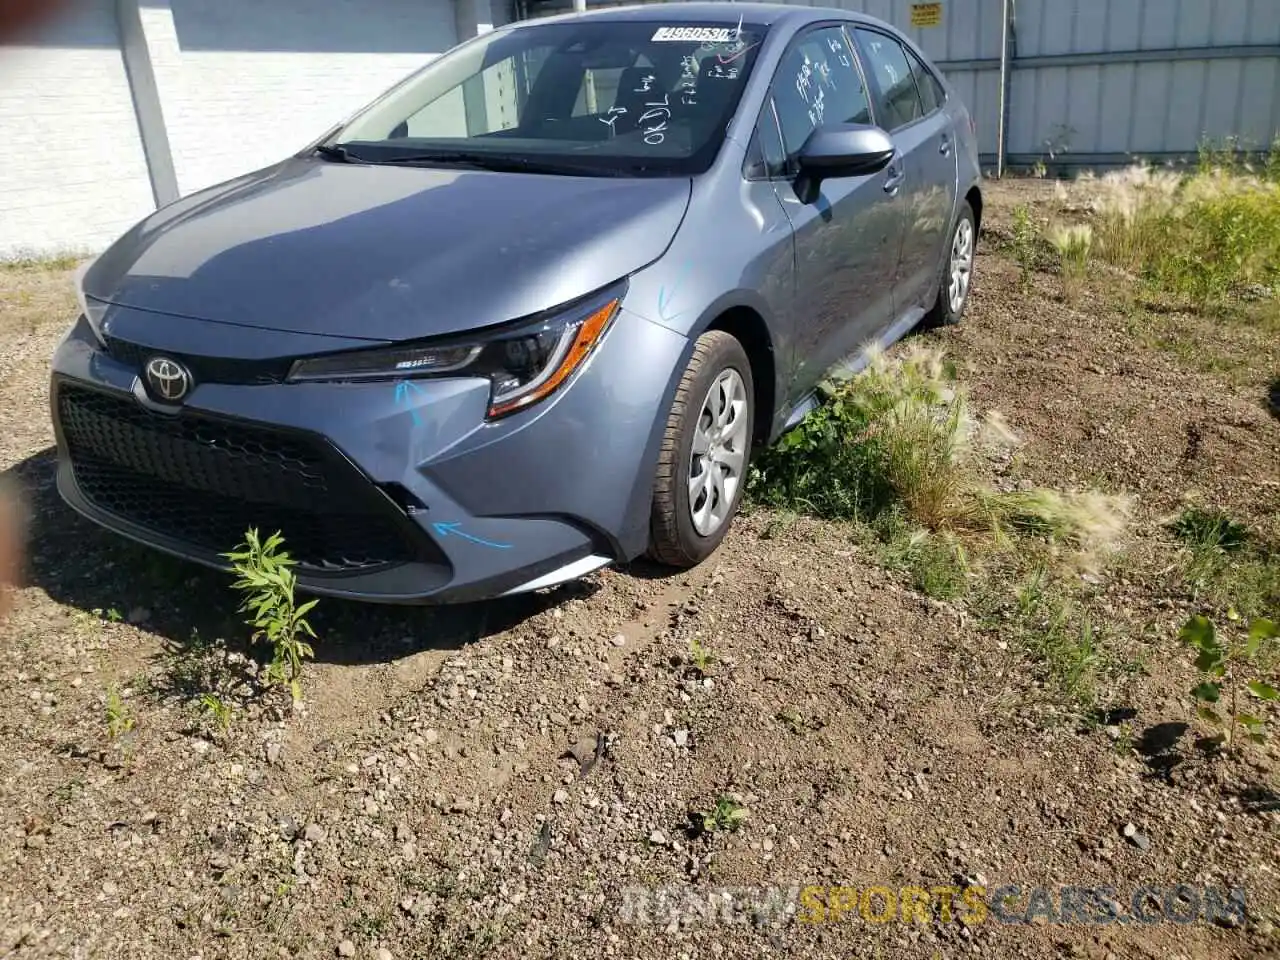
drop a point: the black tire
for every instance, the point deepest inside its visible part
(673, 539)
(941, 314)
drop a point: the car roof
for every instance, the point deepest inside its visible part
(766, 14)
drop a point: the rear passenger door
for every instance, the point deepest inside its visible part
(911, 105)
(847, 241)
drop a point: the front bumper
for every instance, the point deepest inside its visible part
(387, 495)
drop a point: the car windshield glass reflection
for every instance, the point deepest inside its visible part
(577, 98)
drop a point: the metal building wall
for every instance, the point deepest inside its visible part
(1099, 82)
(1114, 78)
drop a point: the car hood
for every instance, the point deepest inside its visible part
(387, 253)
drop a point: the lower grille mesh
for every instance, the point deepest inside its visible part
(205, 481)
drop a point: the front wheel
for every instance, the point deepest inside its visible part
(702, 464)
(957, 272)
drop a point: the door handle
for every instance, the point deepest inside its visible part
(944, 147)
(895, 173)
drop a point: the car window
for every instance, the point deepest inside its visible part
(639, 97)
(818, 82)
(931, 93)
(888, 61)
(766, 156)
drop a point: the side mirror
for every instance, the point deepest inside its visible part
(842, 150)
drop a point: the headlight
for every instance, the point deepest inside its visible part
(523, 363)
(91, 309)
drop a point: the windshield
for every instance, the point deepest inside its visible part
(613, 96)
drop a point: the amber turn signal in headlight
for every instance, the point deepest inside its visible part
(523, 362)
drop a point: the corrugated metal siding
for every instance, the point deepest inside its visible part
(1203, 68)
(1102, 81)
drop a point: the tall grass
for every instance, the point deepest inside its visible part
(1224, 234)
(1204, 237)
(900, 448)
(1129, 205)
(1074, 245)
(897, 436)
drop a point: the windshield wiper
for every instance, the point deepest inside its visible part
(502, 162)
(336, 151)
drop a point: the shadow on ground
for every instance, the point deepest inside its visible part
(82, 566)
(1160, 747)
(1273, 398)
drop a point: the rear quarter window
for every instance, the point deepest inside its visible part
(932, 93)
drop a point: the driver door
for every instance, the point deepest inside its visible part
(848, 240)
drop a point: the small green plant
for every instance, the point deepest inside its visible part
(1074, 245)
(119, 719)
(1063, 641)
(1226, 565)
(700, 656)
(797, 723)
(727, 815)
(1220, 155)
(793, 721)
(937, 562)
(1024, 243)
(1203, 529)
(266, 579)
(1234, 666)
(779, 525)
(1271, 170)
(218, 711)
(1123, 742)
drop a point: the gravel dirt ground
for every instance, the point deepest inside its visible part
(501, 779)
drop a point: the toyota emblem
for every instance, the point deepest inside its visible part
(168, 379)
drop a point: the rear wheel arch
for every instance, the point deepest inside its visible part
(974, 196)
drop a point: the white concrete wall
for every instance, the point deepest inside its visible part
(244, 83)
(73, 175)
(241, 84)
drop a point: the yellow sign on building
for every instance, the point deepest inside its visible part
(926, 14)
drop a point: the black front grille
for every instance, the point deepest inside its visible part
(204, 481)
(203, 369)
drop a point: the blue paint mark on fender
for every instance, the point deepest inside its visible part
(404, 389)
(665, 298)
(451, 530)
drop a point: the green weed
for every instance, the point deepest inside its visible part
(218, 711)
(1024, 243)
(1204, 529)
(1063, 640)
(1208, 238)
(1224, 235)
(938, 563)
(119, 718)
(265, 578)
(1074, 245)
(701, 656)
(1234, 666)
(727, 815)
(1130, 205)
(1224, 564)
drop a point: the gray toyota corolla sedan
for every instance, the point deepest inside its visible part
(527, 313)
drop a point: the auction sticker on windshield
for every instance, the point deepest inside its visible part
(696, 34)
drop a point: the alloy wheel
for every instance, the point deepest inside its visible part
(719, 452)
(961, 264)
